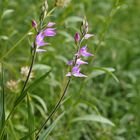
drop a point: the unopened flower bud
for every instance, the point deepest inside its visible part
(77, 37)
(84, 27)
(34, 24)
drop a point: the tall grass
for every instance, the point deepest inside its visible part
(102, 106)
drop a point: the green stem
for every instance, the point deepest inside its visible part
(30, 70)
(2, 101)
(55, 108)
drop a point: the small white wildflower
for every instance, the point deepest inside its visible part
(12, 85)
(24, 72)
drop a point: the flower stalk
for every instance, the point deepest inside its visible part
(74, 70)
(55, 108)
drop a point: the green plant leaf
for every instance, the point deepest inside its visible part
(45, 134)
(95, 118)
(28, 135)
(40, 101)
(7, 12)
(30, 87)
(97, 71)
(2, 103)
(30, 117)
(41, 67)
(73, 19)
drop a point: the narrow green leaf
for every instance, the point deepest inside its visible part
(30, 87)
(97, 71)
(7, 13)
(41, 67)
(73, 19)
(12, 131)
(30, 117)
(4, 37)
(28, 135)
(2, 104)
(45, 134)
(40, 101)
(95, 118)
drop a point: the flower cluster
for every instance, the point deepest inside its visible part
(82, 52)
(12, 85)
(48, 32)
(24, 72)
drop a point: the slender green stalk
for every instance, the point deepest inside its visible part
(2, 101)
(55, 108)
(30, 117)
(30, 70)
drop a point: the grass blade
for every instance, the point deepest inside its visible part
(2, 103)
(102, 70)
(28, 135)
(30, 117)
(95, 118)
(30, 87)
(45, 134)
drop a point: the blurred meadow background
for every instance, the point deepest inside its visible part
(103, 106)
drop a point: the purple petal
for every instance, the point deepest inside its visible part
(70, 63)
(80, 62)
(79, 75)
(84, 48)
(87, 36)
(87, 54)
(83, 52)
(50, 24)
(68, 74)
(39, 40)
(75, 69)
(40, 50)
(76, 72)
(49, 32)
(40, 37)
(39, 44)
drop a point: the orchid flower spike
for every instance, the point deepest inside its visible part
(48, 32)
(81, 51)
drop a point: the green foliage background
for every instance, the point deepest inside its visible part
(115, 25)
